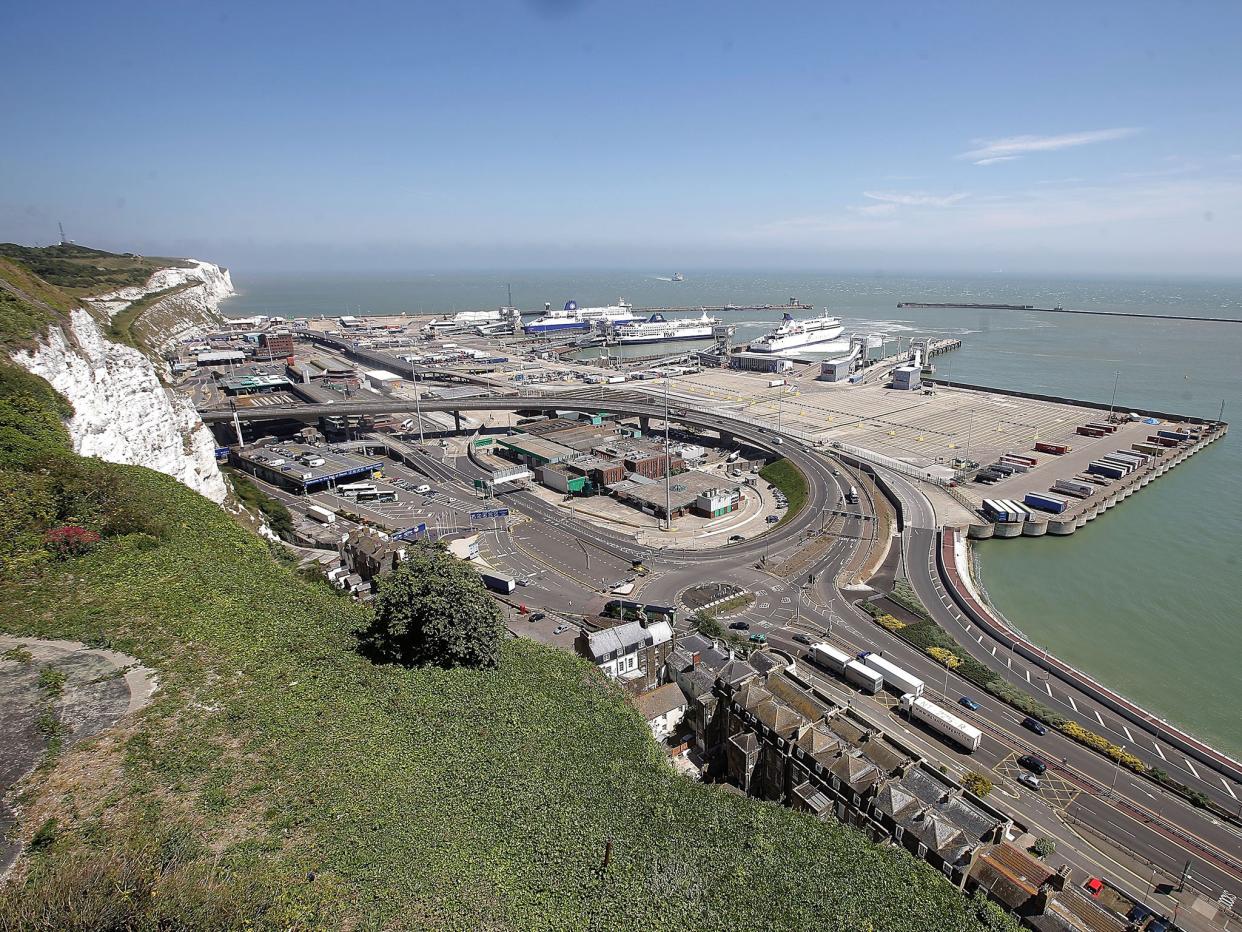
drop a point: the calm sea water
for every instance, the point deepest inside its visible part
(1148, 597)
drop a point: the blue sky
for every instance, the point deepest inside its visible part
(1078, 138)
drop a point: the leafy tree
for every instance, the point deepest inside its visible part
(1043, 847)
(433, 610)
(977, 783)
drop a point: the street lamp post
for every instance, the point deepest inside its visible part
(1112, 404)
(1112, 790)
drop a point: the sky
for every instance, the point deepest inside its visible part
(957, 136)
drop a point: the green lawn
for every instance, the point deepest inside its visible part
(789, 479)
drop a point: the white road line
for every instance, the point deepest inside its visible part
(1158, 751)
(1228, 788)
(1129, 737)
(1192, 767)
(1008, 664)
(1048, 689)
(1072, 703)
(1028, 676)
(993, 650)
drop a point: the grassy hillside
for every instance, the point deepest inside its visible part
(85, 271)
(280, 780)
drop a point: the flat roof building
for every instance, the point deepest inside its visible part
(301, 468)
(253, 384)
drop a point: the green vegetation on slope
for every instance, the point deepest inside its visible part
(121, 327)
(279, 779)
(789, 479)
(278, 516)
(85, 271)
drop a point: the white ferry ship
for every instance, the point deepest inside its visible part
(794, 334)
(572, 317)
(658, 329)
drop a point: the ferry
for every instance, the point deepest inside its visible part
(677, 277)
(572, 317)
(794, 334)
(658, 329)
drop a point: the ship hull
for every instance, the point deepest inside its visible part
(799, 341)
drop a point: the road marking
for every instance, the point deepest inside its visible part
(1228, 788)
(1073, 704)
(993, 650)
(1192, 767)
(1101, 721)
(1048, 689)
(1028, 675)
(1129, 737)
(1158, 751)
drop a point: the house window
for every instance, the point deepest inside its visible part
(922, 850)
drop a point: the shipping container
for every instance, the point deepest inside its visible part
(1152, 449)
(1090, 431)
(1128, 466)
(1104, 426)
(1003, 468)
(1020, 457)
(1045, 502)
(1093, 479)
(1101, 468)
(828, 657)
(1165, 442)
(942, 722)
(864, 677)
(1056, 449)
(895, 678)
(775, 383)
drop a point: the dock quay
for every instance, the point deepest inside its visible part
(1066, 310)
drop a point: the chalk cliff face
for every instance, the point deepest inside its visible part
(122, 412)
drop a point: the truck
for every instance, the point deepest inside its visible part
(942, 722)
(828, 657)
(1000, 510)
(895, 678)
(775, 383)
(1045, 502)
(321, 514)
(498, 583)
(852, 495)
(862, 676)
(615, 379)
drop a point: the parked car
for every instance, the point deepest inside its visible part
(1029, 780)
(741, 625)
(735, 538)
(969, 703)
(1032, 763)
(561, 629)
(758, 638)
(422, 489)
(538, 616)
(1094, 886)
(1035, 725)
(804, 639)
(772, 519)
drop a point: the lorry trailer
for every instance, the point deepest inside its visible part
(895, 677)
(1073, 487)
(942, 722)
(1045, 502)
(1087, 431)
(1056, 449)
(1020, 458)
(862, 676)
(1112, 471)
(828, 657)
(1174, 434)
(321, 514)
(499, 583)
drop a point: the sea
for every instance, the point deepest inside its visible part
(1147, 598)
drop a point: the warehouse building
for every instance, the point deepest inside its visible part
(700, 493)
(300, 468)
(235, 385)
(533, 451)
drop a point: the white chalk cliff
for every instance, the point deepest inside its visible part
(123, 413)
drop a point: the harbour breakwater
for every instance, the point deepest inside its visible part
(1066, 310)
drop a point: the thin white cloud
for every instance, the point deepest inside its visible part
(875, 210)
(998, 158)
(915, 198)
(1012, 146)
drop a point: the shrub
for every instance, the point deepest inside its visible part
(944, 657)
(70, 540)
(888, 621)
